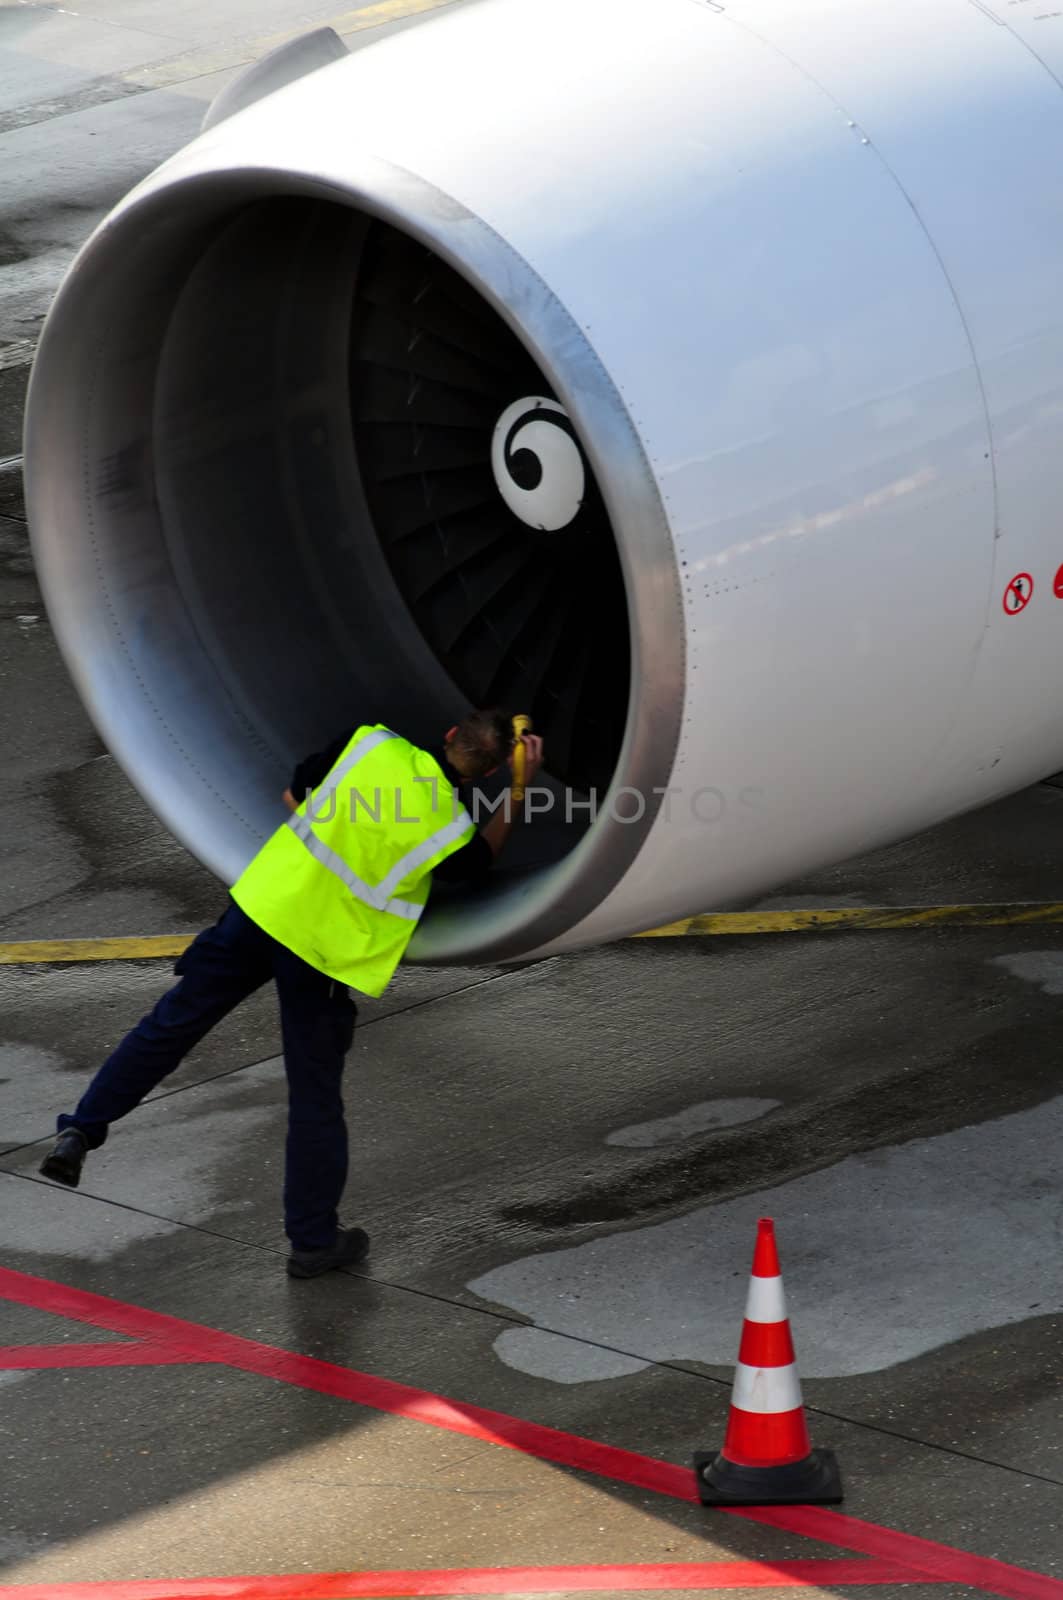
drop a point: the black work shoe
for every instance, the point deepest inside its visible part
(66, 1158)
(352, 1246)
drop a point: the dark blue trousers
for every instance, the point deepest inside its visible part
(220, 968)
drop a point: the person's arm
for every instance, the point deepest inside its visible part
(314, 770)
(471, 864)
(502, 821)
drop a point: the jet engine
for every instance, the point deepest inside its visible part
(686, 376)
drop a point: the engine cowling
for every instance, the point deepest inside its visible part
(693, 385)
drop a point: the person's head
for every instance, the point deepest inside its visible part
(480, 742)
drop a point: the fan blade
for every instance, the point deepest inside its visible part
(386, 340)
(403, 505)
(385, 396)
(395, 449)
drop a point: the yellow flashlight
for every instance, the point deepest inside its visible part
(521, 726)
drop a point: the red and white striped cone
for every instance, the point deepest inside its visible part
(767, 1457)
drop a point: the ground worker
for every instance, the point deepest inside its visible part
(330, 902)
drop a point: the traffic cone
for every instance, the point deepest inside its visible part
(767, 1457)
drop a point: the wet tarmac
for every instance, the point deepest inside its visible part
(561, 1165)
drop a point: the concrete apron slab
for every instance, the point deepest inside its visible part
(57, 1024)
(22, 1325)
(202, 1470)
(499, 1182)
(538, 1110)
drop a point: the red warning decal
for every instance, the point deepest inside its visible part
(1057, 584)
(1019, 592)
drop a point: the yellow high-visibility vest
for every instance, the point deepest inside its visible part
(344, 881)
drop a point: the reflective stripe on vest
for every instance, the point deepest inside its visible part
(350, 761)
(424, 852)
(301, 827)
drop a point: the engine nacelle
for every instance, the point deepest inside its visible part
(690, 378)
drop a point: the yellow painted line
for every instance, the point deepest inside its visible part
(240, 52)
(376, 16)
(51, 950)
(732, 924)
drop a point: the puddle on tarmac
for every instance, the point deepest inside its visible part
(701, 1118)
(886, 1256)
(1043, 967)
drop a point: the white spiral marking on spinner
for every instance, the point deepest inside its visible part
(538, 465)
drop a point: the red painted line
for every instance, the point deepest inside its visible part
(799, 1574)
(922, 1556)
(198, 1343)
(192, 1342)
(491, 1427)
(99, 1311)
(42, 1357)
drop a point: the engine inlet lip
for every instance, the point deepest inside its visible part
(202, 185)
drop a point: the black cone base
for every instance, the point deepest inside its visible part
(815, 1481)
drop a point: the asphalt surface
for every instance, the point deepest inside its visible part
(561, 1165)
